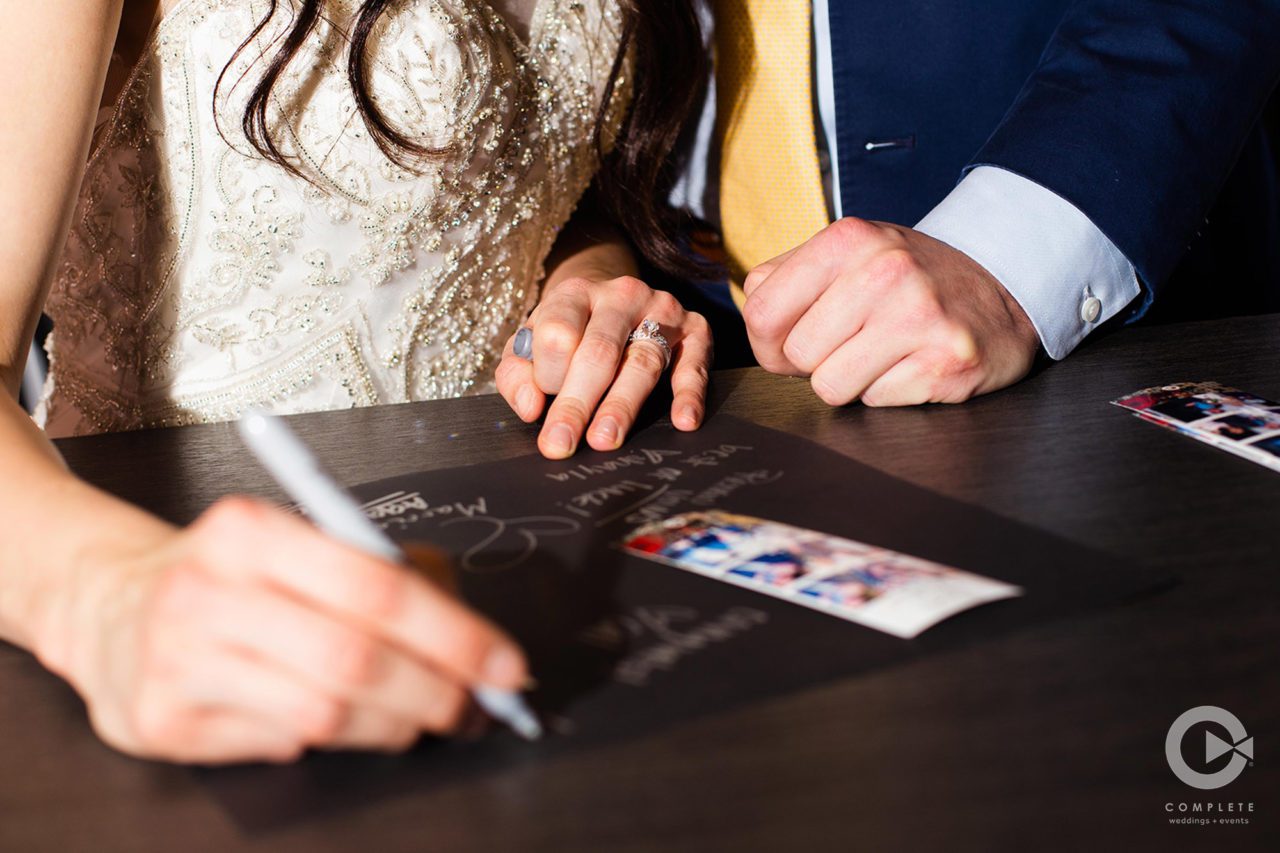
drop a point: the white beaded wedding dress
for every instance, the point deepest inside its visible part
(200, 280)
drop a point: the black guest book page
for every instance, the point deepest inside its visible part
(622, 646)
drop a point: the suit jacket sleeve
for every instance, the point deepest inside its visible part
(1137, 112)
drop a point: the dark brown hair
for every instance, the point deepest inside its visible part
(635, 177)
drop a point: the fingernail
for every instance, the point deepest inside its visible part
(560, 440)
(607, 429)
(503, 666)
(690, 415)
(524, 402)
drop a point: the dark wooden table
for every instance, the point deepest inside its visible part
(1048, 738)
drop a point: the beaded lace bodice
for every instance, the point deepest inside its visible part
(200, 280)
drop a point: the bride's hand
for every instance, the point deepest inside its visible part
(580, 355)
(250, 636)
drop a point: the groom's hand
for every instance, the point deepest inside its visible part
(887, 315)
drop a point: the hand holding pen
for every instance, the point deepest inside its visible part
(297, 471)
(250, 635)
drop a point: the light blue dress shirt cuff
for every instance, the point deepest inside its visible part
(1060, 268)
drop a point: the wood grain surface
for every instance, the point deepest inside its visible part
(1050, 738)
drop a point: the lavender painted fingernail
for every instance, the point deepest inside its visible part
(522, 346)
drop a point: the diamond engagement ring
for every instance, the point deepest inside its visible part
(650, 331)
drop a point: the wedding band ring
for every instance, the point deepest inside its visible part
(522, 346)
(650, 331)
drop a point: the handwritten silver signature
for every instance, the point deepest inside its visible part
(514, 538)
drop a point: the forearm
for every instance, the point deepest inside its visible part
(57, 529)
(53, 59)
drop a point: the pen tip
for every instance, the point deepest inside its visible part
(528, 727)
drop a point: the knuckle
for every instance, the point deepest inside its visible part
(502, 374)
(960, 351)
(378, 592)
(622, 412)
(694, 377)
(665, 303)
(920, 308)
(600, 349)
(230, 515)
(558, 337)
(446, 709)
(850, 231)
(629, 287)
(759, 316)
(353, 659)
(647, 356)
(323, 720)
(571, 410)
(156, 722)
(755, 278)
(891, 267)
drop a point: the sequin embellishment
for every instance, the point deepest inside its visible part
(199, 280)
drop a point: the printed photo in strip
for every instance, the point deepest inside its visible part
(1236, 421)
(876, 587)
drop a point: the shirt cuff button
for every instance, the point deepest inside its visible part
(1091, 309)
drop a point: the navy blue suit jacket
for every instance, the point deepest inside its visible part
(1144, 114)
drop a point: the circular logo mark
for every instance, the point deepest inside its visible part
(1240, 746)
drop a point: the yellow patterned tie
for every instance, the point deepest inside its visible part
(771, 196)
